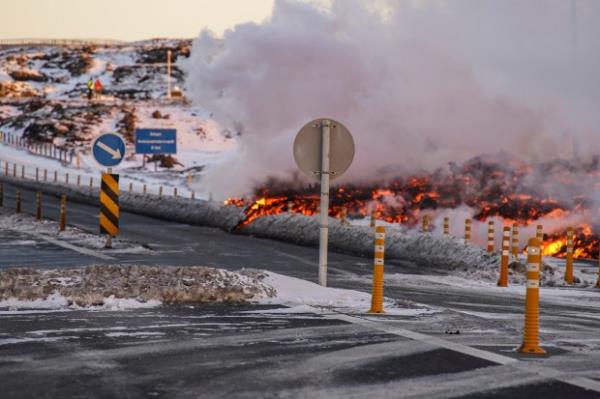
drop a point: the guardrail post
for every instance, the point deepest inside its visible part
(38, 205)
(91, 184)
(45, 175)
(377, 291)
(37, 174)
(531, 340)
(78, 180)
(174, 191)
(55, 176)
(15, 170)
(160, 191)
(130, 187)
(22, 171)
(193, 195)
(6, 169)
(144, 189)
(1, 194)
(63, 213)
(569, 261)
(67, 178)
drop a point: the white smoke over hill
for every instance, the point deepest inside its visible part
(417, 83)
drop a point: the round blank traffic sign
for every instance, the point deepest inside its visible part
(307, 148)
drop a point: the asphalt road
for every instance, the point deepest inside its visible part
(177, 352)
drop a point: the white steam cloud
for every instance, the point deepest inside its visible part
(418, 83)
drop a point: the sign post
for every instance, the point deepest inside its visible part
(109, 151)
(323, 149)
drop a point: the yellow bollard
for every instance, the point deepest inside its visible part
(531, 341)
(377, 292)
(63, 213)
(160, 190)
(569, 263)
(503, 280)
(344, 216)
(490, 244)
(467, 229)
(446, 226)
(425, 223)
(38, 205)
(515, 242)
(18, 201)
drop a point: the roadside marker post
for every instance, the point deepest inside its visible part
(109, 150)
(91, 184)
(1, 194)
(490, 244)
(323, 149)
(15, 170)
(45, 175)
(78, 180)
(467, 229)
(63, 213)
(18, 201)
(446, 226)
(38, 205)
(130, 187)
(377, 291)
(22, 171)
(109, 206)
(193, 195)
(503, 280)
(55, 176)
(37, 174)
(531, 341)
(160, 191)
(539, 234)
(569, 261)
(425, 223)
(67, 178)
(175, 192)
(144, 189)
(597, 282)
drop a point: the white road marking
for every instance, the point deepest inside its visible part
(549, 373)
(81, 250)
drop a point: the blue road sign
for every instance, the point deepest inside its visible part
(108, 149)
(155, 141)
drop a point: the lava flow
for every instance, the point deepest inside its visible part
(507, 188)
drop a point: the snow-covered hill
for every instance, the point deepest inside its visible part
(43, 99)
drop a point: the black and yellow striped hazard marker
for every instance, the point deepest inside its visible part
(109, 204)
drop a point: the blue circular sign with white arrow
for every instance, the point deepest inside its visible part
(109, 149)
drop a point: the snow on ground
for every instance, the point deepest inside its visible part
(27, 224)
(302, 295)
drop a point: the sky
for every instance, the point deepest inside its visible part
(126, 19)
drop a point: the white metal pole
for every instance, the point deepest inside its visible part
(168, 73)
(324, 219)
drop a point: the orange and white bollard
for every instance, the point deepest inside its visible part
(344, 216)
(531, 340)
(446, 226)
(377, 292)
(569, 262)
(490, 243)
(425, 223)
(503, 280)
(515, 242)
(468, 229)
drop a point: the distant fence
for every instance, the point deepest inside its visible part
(60, 42)
(47, 150)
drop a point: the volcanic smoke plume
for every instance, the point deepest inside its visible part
(421, 85)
